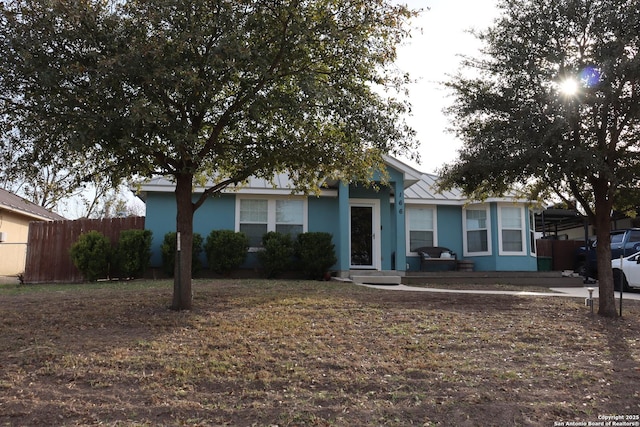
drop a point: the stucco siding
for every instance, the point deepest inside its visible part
(393, 237)
(323, 217)
(13, 250)
(160, 219)
(216, 213)
(516, 263)
(483, 263)
(443, 214)
(450, 228)
(450, 234)
(497, 262)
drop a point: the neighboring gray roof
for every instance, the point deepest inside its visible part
(14, 203)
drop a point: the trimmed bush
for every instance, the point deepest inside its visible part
(91, 254)
(168, 249)
(316, 253)
(134, 252)
(226, 250)
(276, 255)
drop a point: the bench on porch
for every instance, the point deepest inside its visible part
(437, 258)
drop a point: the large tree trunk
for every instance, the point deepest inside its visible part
(182, 296)
(607, 303)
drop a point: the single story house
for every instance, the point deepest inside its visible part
(15, 215)
(373, 229)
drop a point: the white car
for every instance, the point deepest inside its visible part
(629, 275)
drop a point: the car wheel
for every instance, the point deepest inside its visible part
(618, 278)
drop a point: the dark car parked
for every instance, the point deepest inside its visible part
(623, 243)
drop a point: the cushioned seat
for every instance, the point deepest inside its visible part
(437, 258)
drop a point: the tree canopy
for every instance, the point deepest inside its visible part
(552, 106)
(209, 90)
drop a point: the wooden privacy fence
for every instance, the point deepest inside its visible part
(48, 246)
(562, 252)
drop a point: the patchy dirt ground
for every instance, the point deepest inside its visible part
(309, 353)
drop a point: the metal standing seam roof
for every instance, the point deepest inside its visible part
(420, 187)
(426, 190)
(423, 190)
(280, 183)
(15, 203)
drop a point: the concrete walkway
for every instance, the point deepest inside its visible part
(555, 292)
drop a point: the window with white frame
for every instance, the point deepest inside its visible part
(289, 217)
(258, 216)
(421, 227)
(511, 230)
(532, 231)
(254, 220)
(477, 231)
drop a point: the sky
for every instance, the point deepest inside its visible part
(428, 57)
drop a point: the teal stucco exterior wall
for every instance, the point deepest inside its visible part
(216, 213)
(451, 235)
(160, 219)
(331, 214)
(498, 262)
(449, 229)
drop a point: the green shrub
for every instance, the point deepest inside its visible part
(168, 250)
(276, 255)
(226, 250)
(134, 252)
(91, 254)
(316, 253)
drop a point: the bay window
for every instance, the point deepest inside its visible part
(512, 237)
(477, 231)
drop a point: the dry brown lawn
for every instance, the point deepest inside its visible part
(268, 353)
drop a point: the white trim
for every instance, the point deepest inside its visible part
(376, 246)
(410, 175)
(531, 227)
(439, 202)
(523, 236)
(408, 208)
(163, 185)
(283, 193)
(31, 215)
(460, 202)
(487, 209)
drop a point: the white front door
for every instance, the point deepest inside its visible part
(364, 227)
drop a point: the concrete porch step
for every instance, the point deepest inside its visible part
(375, 279)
